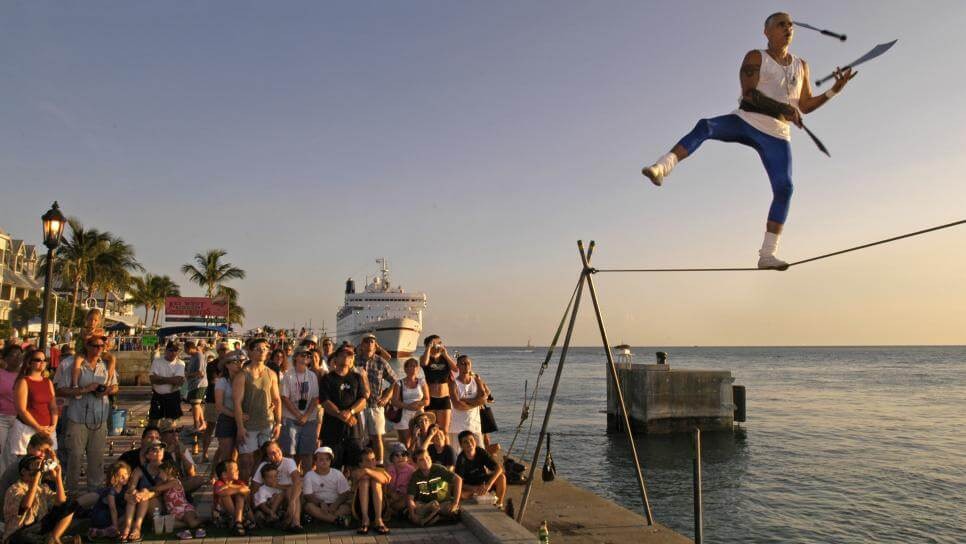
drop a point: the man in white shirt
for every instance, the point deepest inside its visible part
(167, 377)
(300, 411)
(326, 491)
(289, 480)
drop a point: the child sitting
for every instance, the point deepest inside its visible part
(177, 504)
(105, 520)
(326, 491)
(230, 495)
(269, 498)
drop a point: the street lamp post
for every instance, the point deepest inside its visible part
(53, 222)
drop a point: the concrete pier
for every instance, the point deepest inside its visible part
(663, 400)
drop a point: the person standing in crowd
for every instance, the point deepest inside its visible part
(370, 481)
(32, 511)
(88, 413)
(328, 348)
(300, 411)
(411, 394)
(225, 428)
(434, 492)
(438, 366)
(326, 491)
(195, 373)
(318, 365)
(309, 342)
(278, 362)
(469, 395)
(167, 377)
(36, 405)
(256, 397)
(343, 396)
(12, 357)
(289, 481)
(378, 373)
(212, 373)
(479, 471)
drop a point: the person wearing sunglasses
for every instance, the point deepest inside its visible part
(88, 412)
(36, 406)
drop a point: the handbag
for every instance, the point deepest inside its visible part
(487, 420)
(394, 414)
(549, 469)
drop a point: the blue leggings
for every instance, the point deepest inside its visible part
(775, 153)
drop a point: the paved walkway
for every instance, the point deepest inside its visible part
(136, 400)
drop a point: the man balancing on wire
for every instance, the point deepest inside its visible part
(774, 91)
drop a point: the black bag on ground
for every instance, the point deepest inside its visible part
(549, 469)
(516, 472)
(487, 420)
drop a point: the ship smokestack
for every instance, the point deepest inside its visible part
(350, 286)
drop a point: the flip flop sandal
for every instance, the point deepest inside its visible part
(364, 530)
(382, 530)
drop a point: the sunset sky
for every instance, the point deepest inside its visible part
(472, 144)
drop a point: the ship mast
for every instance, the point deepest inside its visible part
(384, 271)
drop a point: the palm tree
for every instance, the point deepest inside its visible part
(76, 255)
(160, 288)
(211, 271)
(111, 270)
(236, 314)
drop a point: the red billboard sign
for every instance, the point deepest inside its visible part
(194, 307)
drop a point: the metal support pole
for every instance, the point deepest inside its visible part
(698, 508)
(553, 391)
(588, 271)
(43, 315)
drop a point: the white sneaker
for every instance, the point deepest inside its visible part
(655, 173)
(771, 262)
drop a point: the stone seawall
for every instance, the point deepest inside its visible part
(133, 367)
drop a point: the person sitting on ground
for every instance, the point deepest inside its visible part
(400, 471)
(258, 406)
(370, 480)
(41, 446)
(176, 503)
(180, 456)
(137, 457)
(289, 481)
(421, 429)
(300, 411)
(33, 512)
(411, 394)
(167, 377)
(343, 396)
(107, 515)
(433, 493)
(479, 471)
(439, 451)
(326, 491)
(144, 491)
(269, 499)
(230, 496)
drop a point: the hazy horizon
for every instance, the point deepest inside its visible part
(472, 144)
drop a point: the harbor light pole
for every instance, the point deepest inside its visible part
(53, 222)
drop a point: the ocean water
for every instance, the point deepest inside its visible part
(842, 444)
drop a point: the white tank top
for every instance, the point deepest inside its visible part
(781, 83)
(410, 396)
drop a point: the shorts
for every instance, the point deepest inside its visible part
(165, 406)
(439, 403)
(254, 440)
(39, 531)
(376, 420)
(196, 396)
(298, 439)
(17, 438)
(225, 427)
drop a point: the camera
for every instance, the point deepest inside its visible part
(48, 465)
(303, 403)
(100, 389)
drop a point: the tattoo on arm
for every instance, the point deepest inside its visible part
(750, 70)
(769, 105)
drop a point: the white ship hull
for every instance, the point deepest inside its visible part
(398, 336)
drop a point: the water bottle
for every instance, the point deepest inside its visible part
(158, 522)
(544, 533)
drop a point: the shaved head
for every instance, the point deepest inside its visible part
(778, 14)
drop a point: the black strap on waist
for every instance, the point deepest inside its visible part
(748, 106)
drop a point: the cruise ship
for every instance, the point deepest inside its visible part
(393, 315)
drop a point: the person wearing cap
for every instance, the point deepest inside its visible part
(310, 341)
(378, 374)
(258, 406)
(88, 413)
(300, 411)
(343, 396)
(434, 491)
(400, 472)
(33, 512)
(167, 377)
(226, 431)
(197, 383)
(422, 427)
(145, 489)
(326, 491)
(180, 456)
(289, 480)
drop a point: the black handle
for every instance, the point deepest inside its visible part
(842, 37)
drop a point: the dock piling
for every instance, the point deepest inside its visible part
(696, 483)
